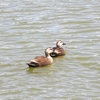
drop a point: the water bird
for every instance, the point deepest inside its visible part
(41, 61)
(58, 50)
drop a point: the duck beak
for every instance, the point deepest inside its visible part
(64, 43)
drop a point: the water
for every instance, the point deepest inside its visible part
(27, 27)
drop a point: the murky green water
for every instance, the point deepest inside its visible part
(27, 27)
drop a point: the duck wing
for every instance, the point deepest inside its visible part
(41, 60)
(59, 51)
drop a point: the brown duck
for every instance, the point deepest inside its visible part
(41, 61)
(58, 50)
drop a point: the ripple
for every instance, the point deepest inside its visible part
(28, 27)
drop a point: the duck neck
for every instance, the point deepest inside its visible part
(47, 55)
(58, 46)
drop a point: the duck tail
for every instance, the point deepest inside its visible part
(53, 54)
(33, 64)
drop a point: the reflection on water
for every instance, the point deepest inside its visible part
(28, 27)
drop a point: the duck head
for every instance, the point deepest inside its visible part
(60, 43)
(48, 51)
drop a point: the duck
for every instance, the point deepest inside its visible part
(58, 50)
(41, 61)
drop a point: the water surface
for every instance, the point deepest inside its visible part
(27, 27)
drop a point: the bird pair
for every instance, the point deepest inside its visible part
(41, 61)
